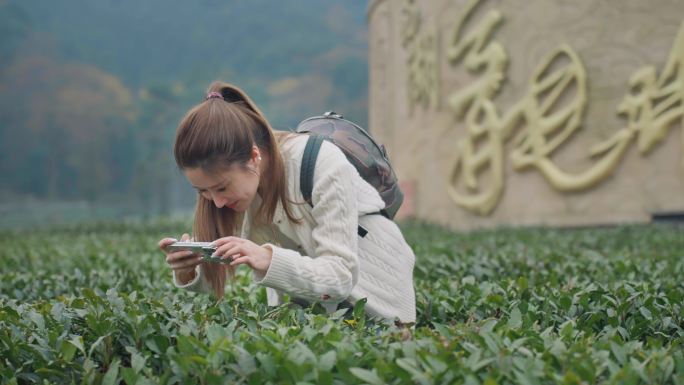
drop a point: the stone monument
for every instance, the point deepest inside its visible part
(531, 112)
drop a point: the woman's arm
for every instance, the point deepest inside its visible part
(186, 267)
(194, 281)
(333, 272)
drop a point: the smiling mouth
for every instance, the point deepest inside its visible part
(232, 205)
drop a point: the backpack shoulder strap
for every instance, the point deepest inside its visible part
(306, 173)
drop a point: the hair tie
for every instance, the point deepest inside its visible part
(213, 94)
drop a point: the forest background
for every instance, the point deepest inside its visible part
(91, 92)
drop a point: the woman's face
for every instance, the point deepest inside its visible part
(233, 187)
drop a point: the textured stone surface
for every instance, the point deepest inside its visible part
(613, 39)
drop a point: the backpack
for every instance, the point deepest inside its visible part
(369, 158)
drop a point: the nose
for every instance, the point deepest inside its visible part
(219, 201)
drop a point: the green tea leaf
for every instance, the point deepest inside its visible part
(110, 378)
(366, 375)
(515, 320)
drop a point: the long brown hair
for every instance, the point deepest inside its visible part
(219, 133)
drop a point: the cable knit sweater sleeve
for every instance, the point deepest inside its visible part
(199, 284)
(330, 275)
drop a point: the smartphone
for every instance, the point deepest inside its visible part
(203, 249)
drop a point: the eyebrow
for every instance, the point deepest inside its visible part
(216, 185)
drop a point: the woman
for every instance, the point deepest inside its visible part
(247, 178)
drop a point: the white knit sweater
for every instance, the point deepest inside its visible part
(327, 261)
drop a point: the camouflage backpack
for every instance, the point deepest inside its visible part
(369, 158)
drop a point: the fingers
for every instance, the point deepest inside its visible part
(231, 247)
(178, 256)
(233, 255)
(241, 261)
(186, 264)
(229, 250)
(165, 242)
(182, 259)
(222, 241)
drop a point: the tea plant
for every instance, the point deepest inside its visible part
(95, 304)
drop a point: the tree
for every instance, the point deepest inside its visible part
(66, 116)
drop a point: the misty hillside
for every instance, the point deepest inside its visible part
(91, 91)
(270, 48)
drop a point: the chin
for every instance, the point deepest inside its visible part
(239, 208)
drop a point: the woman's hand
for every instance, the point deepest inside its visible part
(243, 251)
(182, 262)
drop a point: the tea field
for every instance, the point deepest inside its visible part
(84, 304)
